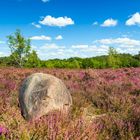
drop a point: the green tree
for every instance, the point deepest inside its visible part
(87, 63)
(33, 60)
(20, 48)
(113, 58)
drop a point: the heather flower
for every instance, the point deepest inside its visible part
(3, 130)
(111, 92)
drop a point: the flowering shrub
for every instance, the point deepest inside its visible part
(3, 132)
(106, 106)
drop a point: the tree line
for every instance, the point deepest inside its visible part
(23, 56)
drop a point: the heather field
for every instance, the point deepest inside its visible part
(106, 106)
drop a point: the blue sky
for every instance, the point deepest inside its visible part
(69, 28)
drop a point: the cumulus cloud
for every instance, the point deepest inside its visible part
(59, 37)
(1, 54)
(110, 23)
(4, 49)
(59, 22)
(52, 51)
(79, 46)
(97, 48)
(122, 45)
(95, 23)
(2, 42)
(36, 25)
(45, 0)
(90, 50)
(133, 20)
(4, 52)
(120, 41)
(52, 46)
(42, 37)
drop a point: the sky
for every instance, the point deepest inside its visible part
(72, 28)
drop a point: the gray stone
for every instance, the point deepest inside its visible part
(42, 93)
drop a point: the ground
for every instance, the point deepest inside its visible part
(106, 106)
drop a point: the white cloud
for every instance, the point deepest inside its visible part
(2, 42)
(52, 46)
(134, 20)
(1, 54)
(95, 23)
(91, 50)
(99, 47)
(79, 46)
(4, 53)
(109, 23)
(122, 45)
(59, 37)
(60, 21)
(42, 37)
(52, 50)
(36, 25)
(45, 0)
(120, 41)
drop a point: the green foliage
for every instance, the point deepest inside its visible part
(20, 48)
(33, 60)
(100, 62)
(113, 58)
(5, 61)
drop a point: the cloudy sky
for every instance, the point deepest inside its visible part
(69, 28)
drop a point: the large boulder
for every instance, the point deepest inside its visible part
(42, 93)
